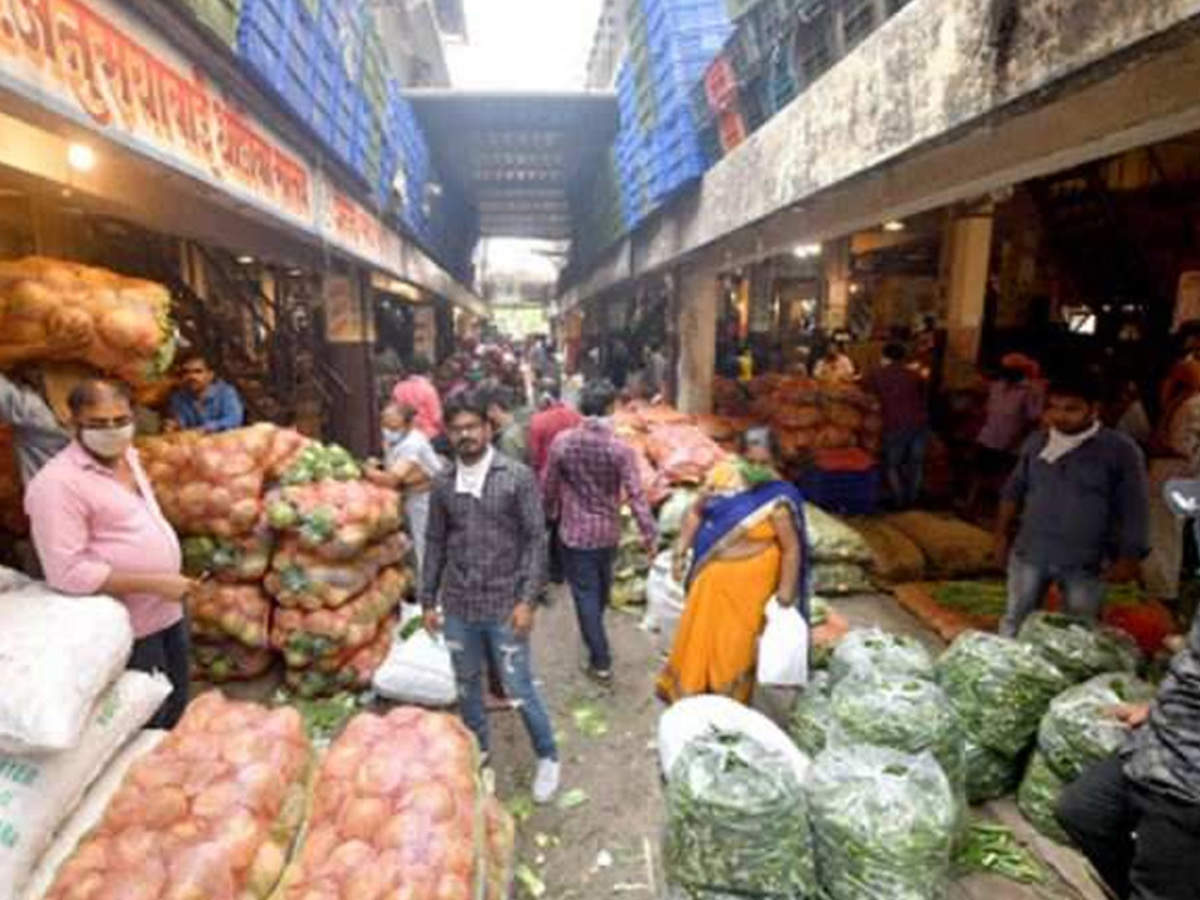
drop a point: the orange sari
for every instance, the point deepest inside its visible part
(716, 645)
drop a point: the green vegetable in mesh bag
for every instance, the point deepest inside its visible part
(1079, 729)
(989, 774)
(1038, 796)
(809, 722)
(883, 824)
(908, 714)
(1078, 650)
(999, 687)
(197, 555)
(875, 649)
(832, 540)
(736, 820)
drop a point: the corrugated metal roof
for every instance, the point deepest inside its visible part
(517, 156)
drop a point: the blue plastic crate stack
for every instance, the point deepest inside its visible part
(326, 62)
(658, 148)
(598, 219)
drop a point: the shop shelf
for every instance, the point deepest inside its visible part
(848, 493)
(720, 85)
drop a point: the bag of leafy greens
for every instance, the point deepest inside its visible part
(999, 687)
(1078, 650)
(907, 714)
(880, 651)
(1038, 796)
(989, 774)
(809, 721)
(1079, 729)
(883, 824)
(736, 820)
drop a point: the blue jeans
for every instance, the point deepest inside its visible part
(590, 575)
(903, 453)
(1082, 591)
(468, 643)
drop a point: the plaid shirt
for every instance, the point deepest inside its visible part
(1164, 753)
(588, 470)
(484, 556)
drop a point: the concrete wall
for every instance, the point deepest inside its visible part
(939, 75)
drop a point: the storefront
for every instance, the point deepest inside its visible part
(118, 150)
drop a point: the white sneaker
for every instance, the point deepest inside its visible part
(545, 782)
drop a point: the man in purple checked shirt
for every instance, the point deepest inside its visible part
(589, 473)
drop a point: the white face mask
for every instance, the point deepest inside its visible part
(107, 443)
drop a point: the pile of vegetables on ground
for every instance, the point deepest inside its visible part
(307, 559)
(900, 744)
(806, 414)
(57, 311)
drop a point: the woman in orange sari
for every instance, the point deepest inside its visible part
(747, 543)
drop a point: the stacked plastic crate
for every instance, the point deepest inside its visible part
(412, 165)
(219, 16)
(598, 217)
(755, 74)
(658, 151)
(277, 41)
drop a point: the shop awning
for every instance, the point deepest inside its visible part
(516, 156)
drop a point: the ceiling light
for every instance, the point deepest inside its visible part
(245, 260)
(806, 251)
(296, 272)
(894, 225)
(81, 157)
(855, 288)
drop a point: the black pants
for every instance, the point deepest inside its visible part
(590, 575)
(166, 651)
(554, 551)
(1145, 845)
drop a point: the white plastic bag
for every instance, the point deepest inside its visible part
(695, 716)
(664, 600)
(783, 647)
(418, 671)
(89, 812)
(57, 653)
(43, 789)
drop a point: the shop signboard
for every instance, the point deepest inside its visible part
(100, 65)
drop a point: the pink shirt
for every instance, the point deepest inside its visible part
(86, 523)
(419, 393)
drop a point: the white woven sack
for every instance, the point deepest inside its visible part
(45, 788)
(418, 671)
(57, 653)
(692, 717)
(664, 600)
(90, 811)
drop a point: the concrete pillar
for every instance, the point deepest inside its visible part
(967, 261)
(697, 306)
(835, 257)
(350, 337)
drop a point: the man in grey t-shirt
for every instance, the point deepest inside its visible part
(1079, 493)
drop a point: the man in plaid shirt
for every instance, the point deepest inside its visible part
(485, 561)
(589, 472)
